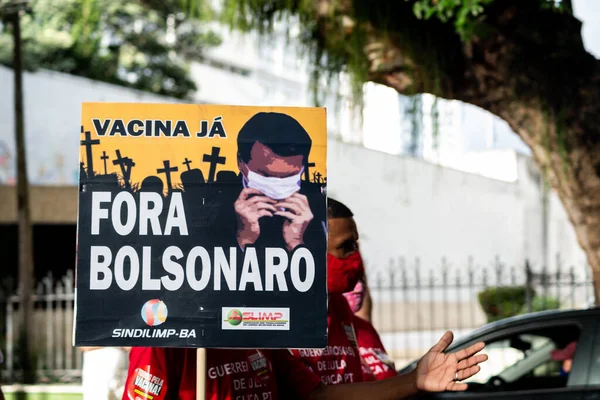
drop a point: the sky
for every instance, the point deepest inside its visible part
(588, 11)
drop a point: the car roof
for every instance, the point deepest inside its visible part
(540, 316)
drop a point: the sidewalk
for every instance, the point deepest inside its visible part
(43, 392)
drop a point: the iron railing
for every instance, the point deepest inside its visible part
(412, 306)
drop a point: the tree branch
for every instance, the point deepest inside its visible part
(527, 64)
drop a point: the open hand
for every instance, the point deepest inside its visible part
(438, 371)
(248, 211)
(298, 214)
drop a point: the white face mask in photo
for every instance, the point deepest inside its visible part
(275, 188)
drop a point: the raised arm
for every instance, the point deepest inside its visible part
(436, 372)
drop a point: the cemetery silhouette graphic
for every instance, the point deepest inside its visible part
(192, 179)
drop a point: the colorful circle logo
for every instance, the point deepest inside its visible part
(154, 312)
(234, 317)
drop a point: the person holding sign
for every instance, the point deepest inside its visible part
(340, 362)
(170, 374)
(272, 374)
(227, 252)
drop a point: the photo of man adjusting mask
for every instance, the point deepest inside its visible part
(274, 207)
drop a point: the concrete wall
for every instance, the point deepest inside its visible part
(52, 122)
(49, 204)
(408, 208)
(404, 206)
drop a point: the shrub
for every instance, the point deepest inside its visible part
(503, 302)
(542, 303)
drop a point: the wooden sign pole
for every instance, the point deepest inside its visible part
(201, 374)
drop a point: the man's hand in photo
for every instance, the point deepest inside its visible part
(250, 206)
(297, 211)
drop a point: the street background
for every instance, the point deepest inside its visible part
(446, 205)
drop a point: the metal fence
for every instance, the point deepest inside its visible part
(412, 307)
(55, 357)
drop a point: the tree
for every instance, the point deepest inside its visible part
(12, 11)
(144, 45)
(522, 60)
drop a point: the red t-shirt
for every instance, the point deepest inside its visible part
(340, 361)
(372, 350)
(170, 374)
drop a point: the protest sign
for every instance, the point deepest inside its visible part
(202, 226)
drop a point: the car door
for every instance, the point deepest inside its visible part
(592, 391)
(517, 352)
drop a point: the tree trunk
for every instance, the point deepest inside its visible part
(525, 64)
(26, 350)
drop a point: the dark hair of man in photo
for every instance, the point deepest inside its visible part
(281, 133)
(276, 146)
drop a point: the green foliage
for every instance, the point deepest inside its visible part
(502, 302)
(542, 303)
(463, 14)
(126, 43)
(467, 15)
(335, 33)
(341, 50)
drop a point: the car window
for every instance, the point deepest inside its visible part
(500, 357)
(549, 368)
(529, 360)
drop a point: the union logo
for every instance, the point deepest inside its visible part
(154, 312)
(234, 317)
